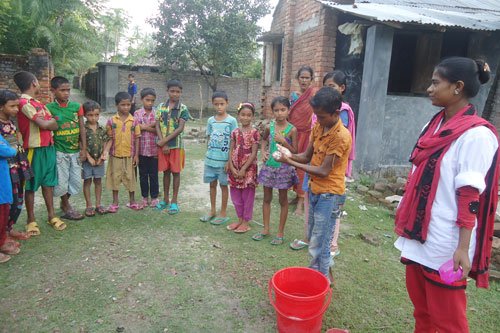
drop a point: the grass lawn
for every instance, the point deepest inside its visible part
(150, 272)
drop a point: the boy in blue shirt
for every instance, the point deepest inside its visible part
(219, 128)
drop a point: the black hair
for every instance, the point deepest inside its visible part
(219, 94)
(327, 99)
(246, 105)
(90, 106)
(148, 91)
(470, 71)
(280, 100)
(131, 75)
(57, 81)
(305, 68)
(23, 80)
(174, 83)
(338, 77)
(7, 95)
(122, 95)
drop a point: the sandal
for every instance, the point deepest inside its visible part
(32, 229)
(298, 244)
(233, 226)
(154, 203)
(161, 205)
(173, 209)
(72, 215)
(19, 235)
(242, 230)
(4, 258)
(219, 220)
(134, 206)
(207, 218)
(277, 240)
(89, 212)
(57, 224)
(113, 208)
(259, 236)
(101, 210)
(10, 249)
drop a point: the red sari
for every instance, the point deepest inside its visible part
(300, 116)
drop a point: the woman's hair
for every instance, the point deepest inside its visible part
(246, 105)
(90, 106)
(280, 100)
(305, 68)
(471, 72)
(7, 95)
(338, 77)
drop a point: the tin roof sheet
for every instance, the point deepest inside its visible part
(473, 15)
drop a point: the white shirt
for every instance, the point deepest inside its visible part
(466, 163)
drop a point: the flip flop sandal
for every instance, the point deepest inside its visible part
(57, 224)
(89, 212)
(113, 208)
(242, 230)
(134, 206)
(220, 220)
(20, 236)
(154, 203)
(277, 240)
(32, 229)
(4, 258)
(173, 209)
(72, 215)
(207, 218)
(259, 236)
(298, 244)
(101, 210)
(233, 226)
(11, 250)
(161, 205)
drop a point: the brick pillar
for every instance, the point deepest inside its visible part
(40, 65)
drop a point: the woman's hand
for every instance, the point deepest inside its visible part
(461, 259)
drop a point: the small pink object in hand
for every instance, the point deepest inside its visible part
(447, 274)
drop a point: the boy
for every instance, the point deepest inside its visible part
(124, 153)
(36, 125)
(327, 153)
(219, 128)
(98, 145)
(69, 136)
(170, 119)
(132, 91)
(148, 152)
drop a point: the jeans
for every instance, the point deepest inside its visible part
(323, 213)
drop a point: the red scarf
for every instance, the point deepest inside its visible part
(414, 213)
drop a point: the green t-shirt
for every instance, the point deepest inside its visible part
(67, 136)
(169, 121)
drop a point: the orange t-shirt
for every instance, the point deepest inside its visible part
(337, 141)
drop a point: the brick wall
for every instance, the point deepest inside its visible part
(37, 62)
(309, 30)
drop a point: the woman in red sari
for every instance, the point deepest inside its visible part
(300, 116)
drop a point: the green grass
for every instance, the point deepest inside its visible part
(150, 272)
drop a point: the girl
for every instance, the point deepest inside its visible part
(300, 117)
(20, 170)
(273, 174)
(448, 209)
(243, 167)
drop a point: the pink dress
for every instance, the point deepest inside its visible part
(241, 152)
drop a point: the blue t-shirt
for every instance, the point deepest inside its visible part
(132, 89)
(219, 137)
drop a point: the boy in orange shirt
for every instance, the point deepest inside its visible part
(327, 153)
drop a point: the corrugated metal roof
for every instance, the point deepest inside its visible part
(460, 14)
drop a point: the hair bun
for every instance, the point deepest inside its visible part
(483, 71)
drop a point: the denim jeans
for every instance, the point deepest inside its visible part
(323, 213)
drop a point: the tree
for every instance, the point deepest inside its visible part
(113, 25)
(140, 48)
(215, 36)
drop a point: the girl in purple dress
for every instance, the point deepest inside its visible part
(274, 174)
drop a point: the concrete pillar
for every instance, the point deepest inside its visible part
(371, 115)
(107, 85)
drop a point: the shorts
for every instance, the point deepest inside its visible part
(120, 171)
(68, 174)
(43, 163)
(90, 171)
(173, 161)
(210, 174)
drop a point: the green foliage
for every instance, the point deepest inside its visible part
(140, 48)
(215, 36)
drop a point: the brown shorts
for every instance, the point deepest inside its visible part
(120, 171)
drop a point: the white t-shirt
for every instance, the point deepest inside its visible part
(466, 163)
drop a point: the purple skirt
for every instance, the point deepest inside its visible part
(281, 178)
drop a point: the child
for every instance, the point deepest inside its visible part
(170, 119)
(243, 167)
(67, 139)
(6, 248)
(36, 125)
(98, 145)
(327, 153)
(273, 174)
(148, 152)
(132, 91)
(219, 128)
(20, 170)
(124, 152)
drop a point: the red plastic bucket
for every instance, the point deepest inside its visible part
(300, 296)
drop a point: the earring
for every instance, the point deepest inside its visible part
(456, 91)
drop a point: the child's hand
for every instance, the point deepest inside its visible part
(241, 173)
(265, 156)
(279, 138)
(226, 167)
(135, 161)
(83, 155)
(91, 161)
(166, 149)
(104, 155)
(284, 151)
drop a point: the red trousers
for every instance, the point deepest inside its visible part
(438, 308)
(4, 220)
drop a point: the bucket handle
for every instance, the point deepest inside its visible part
(273, 303)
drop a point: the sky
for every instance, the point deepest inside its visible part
(143, 10)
